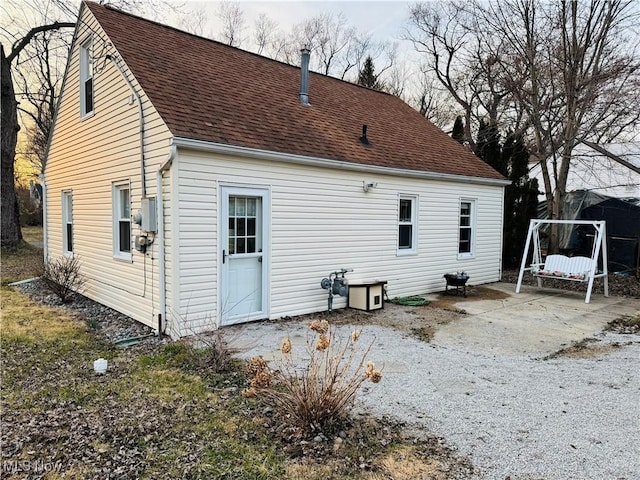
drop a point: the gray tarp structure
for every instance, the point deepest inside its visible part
(623, 227)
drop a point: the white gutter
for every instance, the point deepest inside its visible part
(260, 154)
(160, 237)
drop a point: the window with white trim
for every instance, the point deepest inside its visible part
(466, 235)
(67, 221)
(407, 223)
(122, 220)
(86, 78)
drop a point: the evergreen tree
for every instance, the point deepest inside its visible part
(511, 159)
(520, 198)
(488, 147)
(458, 130)
(367, 76)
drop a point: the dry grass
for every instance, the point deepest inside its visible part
(29, 321)
(159, 414)
(407, 463)
(20, 263)
(32, 234)
(317, 397)
(586, 348)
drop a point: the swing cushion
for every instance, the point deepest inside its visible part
(561, 266)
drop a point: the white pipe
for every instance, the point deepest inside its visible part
(323, 162)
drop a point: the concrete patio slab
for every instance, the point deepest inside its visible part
(535, 322)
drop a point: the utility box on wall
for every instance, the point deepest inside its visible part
(149, 215)
(366, 295)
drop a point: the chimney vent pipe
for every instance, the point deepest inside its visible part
(304, 75)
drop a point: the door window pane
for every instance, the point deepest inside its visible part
(251, 226)
(241, 245)
(243, 224)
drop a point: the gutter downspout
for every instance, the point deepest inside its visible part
(114, 60)
(162, 284)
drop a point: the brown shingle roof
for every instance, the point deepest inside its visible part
(209, 91)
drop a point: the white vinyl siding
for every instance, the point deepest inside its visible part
(122, 221)
(407, 224)
(88, 156)
(466, 228)
(67, 222)
(312, 236)
(86, 78)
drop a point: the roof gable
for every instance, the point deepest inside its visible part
(208, 91)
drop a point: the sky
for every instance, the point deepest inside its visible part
(384, 20)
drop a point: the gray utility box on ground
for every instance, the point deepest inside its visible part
(366, 295)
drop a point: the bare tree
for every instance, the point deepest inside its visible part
(265, 34)
(38, 75)
(11, 232)
(434, 102)
(233, 23)
(439, 32)
(27, 59)
(573, 67)
(194, 21)
(560, 72)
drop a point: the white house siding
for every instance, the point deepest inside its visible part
(321, 221)
(86, 156)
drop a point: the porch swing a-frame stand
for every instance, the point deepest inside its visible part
(561, 267)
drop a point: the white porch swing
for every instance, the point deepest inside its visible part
(561, 267)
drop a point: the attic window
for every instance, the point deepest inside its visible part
(86, 79)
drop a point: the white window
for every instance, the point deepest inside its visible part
(466, 235)
(67, 222)
(86, 79)
(407, 224)
(122, 221)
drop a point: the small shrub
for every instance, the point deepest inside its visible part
(62, 277)
(315, 398)
(215, 355)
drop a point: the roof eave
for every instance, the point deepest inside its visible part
(259, 154)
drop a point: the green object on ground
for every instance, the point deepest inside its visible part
(413, 301)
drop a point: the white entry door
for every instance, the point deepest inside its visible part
(243, 289)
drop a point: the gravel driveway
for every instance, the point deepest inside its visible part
(516, 417)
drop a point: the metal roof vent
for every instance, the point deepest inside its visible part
(363, 138)
(304, 75)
